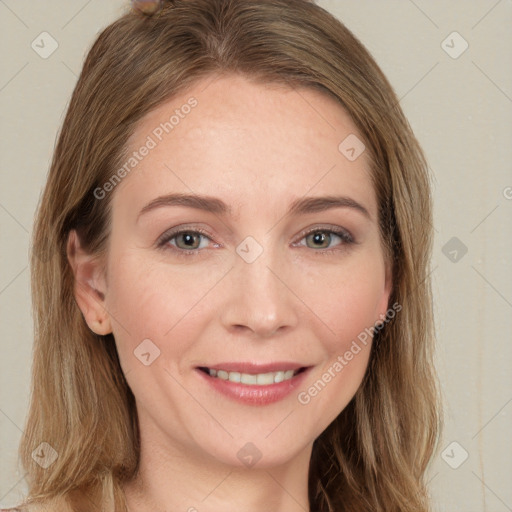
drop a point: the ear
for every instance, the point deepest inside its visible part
(383, 307)
(89, 285)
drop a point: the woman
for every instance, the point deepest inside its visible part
(285, 362)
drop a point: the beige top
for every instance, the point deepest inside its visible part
(34, 508)
(60, 504)
(51, 506)
(74, 501)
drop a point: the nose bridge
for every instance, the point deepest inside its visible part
(257, 297)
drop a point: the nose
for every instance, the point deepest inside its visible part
(258, 297)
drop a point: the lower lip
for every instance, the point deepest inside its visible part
(254, 394)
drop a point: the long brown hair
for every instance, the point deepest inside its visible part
(374, 455)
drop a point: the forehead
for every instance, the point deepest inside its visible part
(248, 143)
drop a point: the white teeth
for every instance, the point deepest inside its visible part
(261, 379)
(247, 378)
(235, 376)
(279, 377)
(265, 378)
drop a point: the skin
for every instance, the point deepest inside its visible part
(257, 147)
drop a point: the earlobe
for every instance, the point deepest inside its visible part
(89, 285)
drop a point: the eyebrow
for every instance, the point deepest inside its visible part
(216, 206)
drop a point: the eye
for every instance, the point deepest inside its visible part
(190, 242)
(320, 238)
(185, 242)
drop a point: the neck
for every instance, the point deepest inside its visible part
(171, 479)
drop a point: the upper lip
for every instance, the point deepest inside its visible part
(253, 368)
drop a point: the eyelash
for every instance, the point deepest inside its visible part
(163, 241)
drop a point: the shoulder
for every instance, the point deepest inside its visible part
(21, 508)
(74, 501)
(36, 507)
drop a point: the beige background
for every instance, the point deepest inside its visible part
(460, 109)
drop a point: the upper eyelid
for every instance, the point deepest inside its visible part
(333, 229)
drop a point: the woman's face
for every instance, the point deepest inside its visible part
(261, 284)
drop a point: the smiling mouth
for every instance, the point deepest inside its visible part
(250, 379)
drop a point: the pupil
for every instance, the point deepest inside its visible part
(319, 238)
(189, 239)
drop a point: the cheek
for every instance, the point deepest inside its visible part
(151, 301)
(351, 317)
(355, 311)
(346, 301)
(346, 298)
